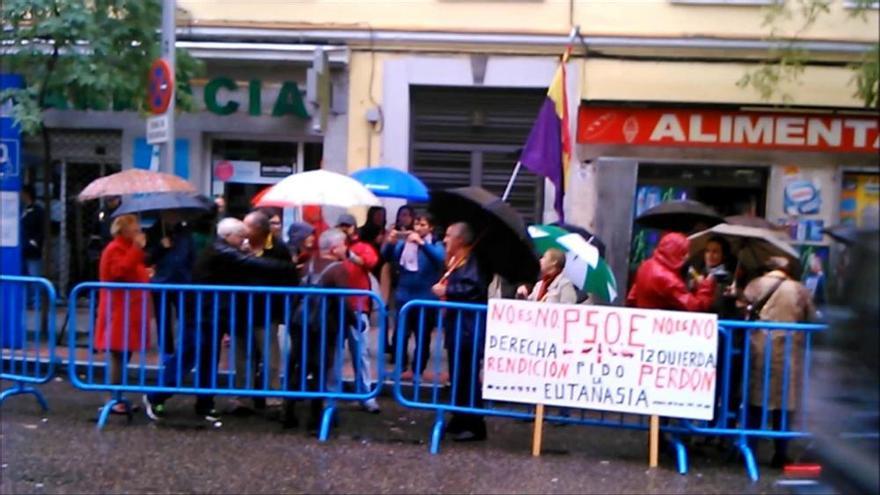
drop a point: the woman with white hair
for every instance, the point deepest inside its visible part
(123, 315)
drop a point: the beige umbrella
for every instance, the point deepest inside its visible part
(751, 245)
(760, 222)
(135, 181)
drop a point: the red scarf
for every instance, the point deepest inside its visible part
(545, 283)
(453, 264)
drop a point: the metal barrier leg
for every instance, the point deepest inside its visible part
(437, 433)
(680, 455)
(751, 466)
(108, 407)
(326, 422)
(19, 389)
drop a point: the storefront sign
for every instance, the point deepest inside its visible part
(277, 171)
(250, 172)
(601, 357)
(727, 129)
(288, 102)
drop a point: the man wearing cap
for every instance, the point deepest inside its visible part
(362, 258)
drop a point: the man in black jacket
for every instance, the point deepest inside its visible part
(32, 236)
(223, 263)
(465, 281)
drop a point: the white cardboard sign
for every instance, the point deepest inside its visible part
(601, 357)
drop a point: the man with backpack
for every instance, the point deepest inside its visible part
(316, 324)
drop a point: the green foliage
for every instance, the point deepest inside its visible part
(785, 64)
(866, 77)
(94, 54)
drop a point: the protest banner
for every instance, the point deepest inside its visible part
(639, 361)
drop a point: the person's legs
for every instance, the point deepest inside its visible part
(245, 345)
(118, 365)
(358, 347)
(466, 387)
(469, 392)
(780, 450)
(33, 268)
(422, 351)
(181, 363)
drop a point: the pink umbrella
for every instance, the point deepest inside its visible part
(135, 181)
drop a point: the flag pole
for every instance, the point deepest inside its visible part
(511, 181)
(575, 30)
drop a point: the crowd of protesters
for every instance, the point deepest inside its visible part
(403, 262)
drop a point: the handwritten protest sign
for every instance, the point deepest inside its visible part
(600, 357)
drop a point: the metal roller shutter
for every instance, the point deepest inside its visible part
(472, 137)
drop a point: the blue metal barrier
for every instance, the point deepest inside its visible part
(27, 333)
(760, 381)
(732, 418)
(262, 359)
(434, 394)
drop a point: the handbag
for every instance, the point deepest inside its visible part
(753, 310)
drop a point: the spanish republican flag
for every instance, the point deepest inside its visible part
(548, 149)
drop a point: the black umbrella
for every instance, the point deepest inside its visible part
(503, 243)
(684, 215)
(586, 234)
(141, 203)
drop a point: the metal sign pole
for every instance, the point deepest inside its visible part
(169, 40)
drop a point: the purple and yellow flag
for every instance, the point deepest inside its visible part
(548, 149)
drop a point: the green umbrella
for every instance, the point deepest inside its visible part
(583, 265)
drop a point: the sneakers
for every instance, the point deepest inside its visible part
(154, 411)
(371, 406)
(211, 416)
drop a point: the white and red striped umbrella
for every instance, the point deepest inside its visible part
(135, 181)
(318, 187)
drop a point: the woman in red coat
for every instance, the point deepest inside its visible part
(124, 316)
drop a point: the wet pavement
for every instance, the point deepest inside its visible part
(62, 452)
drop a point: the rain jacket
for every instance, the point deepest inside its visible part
(123, 261)
(658, 284)
(790, 302)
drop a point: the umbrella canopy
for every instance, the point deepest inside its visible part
(135, 181)
(583, 264)
(503, 244)
(387, 182)
(752, 246)
(680, 216)
(586, 234)
(139, 203)
(750, 221)
(257, 197)
(318, 187)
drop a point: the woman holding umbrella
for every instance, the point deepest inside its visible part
(122, 332)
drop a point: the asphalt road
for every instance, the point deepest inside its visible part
(62, 452)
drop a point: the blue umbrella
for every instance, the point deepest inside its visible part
(139, 203)
(390, 182)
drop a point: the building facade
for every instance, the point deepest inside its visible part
(449, 89)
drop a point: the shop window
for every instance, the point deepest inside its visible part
(241, 169)
(729, 190)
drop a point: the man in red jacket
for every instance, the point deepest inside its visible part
(362, 258)
(659, 285)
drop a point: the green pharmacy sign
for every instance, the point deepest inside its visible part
(288, 102)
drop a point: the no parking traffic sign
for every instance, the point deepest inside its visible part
(161, 87)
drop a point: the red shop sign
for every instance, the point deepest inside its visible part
(726, 129)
